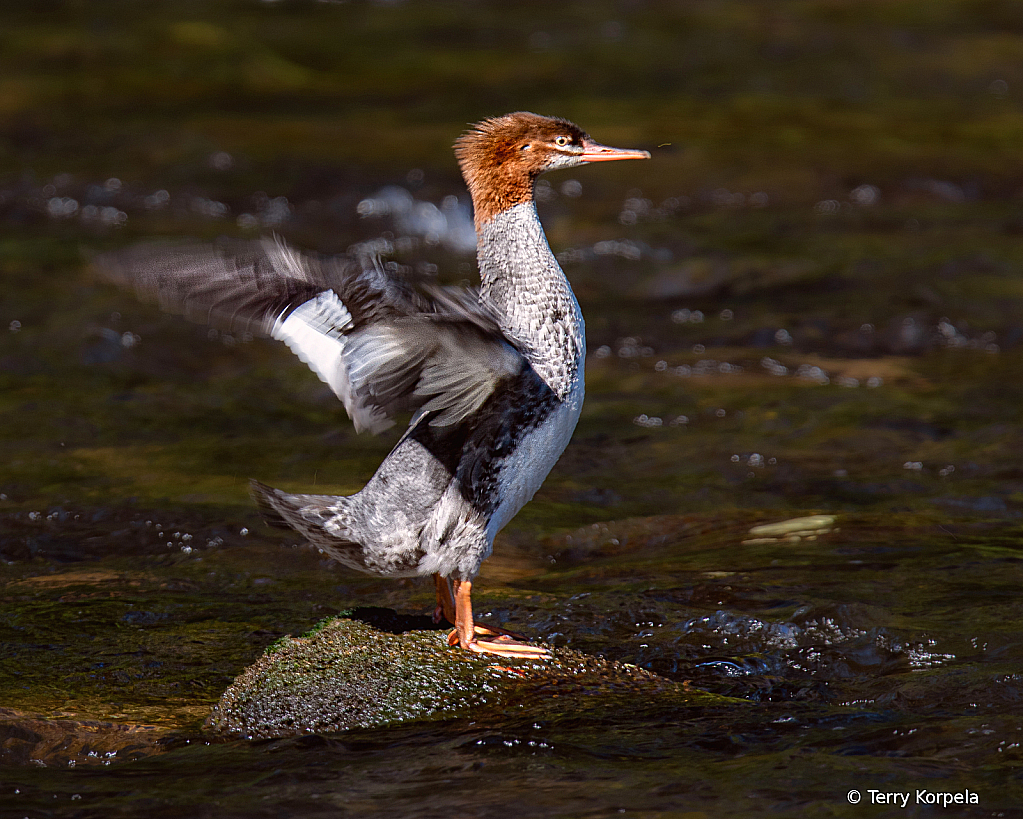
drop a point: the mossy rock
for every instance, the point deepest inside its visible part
(348, 674)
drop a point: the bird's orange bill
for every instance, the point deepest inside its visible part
(594, 152)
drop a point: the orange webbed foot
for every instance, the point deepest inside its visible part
(487, 639)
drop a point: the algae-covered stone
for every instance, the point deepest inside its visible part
(347, 674)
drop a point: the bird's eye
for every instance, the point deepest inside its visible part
(562, 141)
(525, 147)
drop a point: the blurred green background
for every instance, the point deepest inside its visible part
(834, 191)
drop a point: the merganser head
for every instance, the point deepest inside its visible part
(501, 157)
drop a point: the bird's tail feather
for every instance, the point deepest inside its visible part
(308, 515)
(268, 502)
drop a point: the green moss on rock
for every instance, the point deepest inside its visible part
(347, 674)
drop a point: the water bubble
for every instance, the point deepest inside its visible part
(735, 459)
(726, 315)
(865, 195)
(543, 192)
(603, 351)
(946, 471)
(246, 221)
(679, 421)
(758, 200)
(623, 249)
(632, 347)
(243, 531)
(108, 215)
(572, 188)
(811, 372)
(661, 366)
(724, 198)
(699, 348)
(209, 208)
(720, 413)
(112, 184)
(783, 336)
(61, 207)
(827, 207)
(998, 88)
(637, 205)
(913, 466)
(14, 326)
(275, 212)
(156, 200)
(756, 460)
(671, 205)
(221, 161)
(773, 367)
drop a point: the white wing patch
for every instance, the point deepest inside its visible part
(314, 331)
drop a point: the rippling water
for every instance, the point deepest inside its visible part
(859, 660)
(807, 303)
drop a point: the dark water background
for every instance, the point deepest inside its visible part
(809, 301)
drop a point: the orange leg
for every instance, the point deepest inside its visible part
(467, 634)
(445, 601)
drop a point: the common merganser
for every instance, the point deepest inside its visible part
(494, 378)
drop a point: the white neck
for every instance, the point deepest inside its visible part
(523, 283)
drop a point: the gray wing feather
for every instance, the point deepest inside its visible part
(231, 285)
(381, 345)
